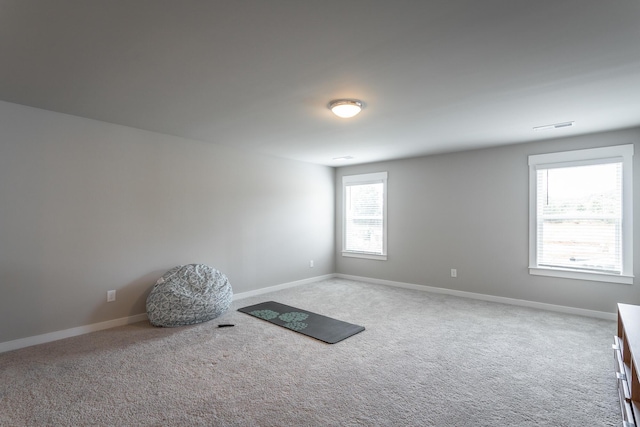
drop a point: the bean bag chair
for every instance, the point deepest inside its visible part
(188, 294)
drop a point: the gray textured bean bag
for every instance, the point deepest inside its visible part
(188, 294)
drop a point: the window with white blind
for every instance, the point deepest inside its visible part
(364, 233)
(581, 214)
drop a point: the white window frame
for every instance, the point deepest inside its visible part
(575, 158)
(369, 178)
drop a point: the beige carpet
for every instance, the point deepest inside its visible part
(424, 360)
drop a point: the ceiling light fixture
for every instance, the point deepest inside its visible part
(345, 108)
(555, 126)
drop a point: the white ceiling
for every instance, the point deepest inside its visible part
(435, 75)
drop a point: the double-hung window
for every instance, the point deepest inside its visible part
(364, 233)
(581, 214)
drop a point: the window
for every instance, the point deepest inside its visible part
(581, 214)
(365, 216)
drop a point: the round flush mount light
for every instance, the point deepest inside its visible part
(345, 108)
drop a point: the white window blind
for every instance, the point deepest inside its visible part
(364, 231)
(581, 215)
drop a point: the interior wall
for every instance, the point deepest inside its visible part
(470, 211)
(87, 206)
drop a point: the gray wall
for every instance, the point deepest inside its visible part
(469, 211)
(87, 206)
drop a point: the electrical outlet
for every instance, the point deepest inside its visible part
(454, 272)
(311, 264)
(111, 296)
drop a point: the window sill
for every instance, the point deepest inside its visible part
(581, 275)
(364, 255)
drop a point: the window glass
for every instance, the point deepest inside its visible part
(364, 231)
(580, 217)
(581, 214)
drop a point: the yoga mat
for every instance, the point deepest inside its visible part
(320, 327)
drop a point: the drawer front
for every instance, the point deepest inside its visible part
(636, 414)
(622, 374)
(617, 344)
(625, 409)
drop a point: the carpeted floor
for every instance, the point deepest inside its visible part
(424, 360)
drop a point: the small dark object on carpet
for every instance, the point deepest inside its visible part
(225, 325)
(314, 325)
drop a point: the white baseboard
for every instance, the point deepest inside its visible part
(483, 297)
(68, 333)
(80, 330)
(281, 286)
